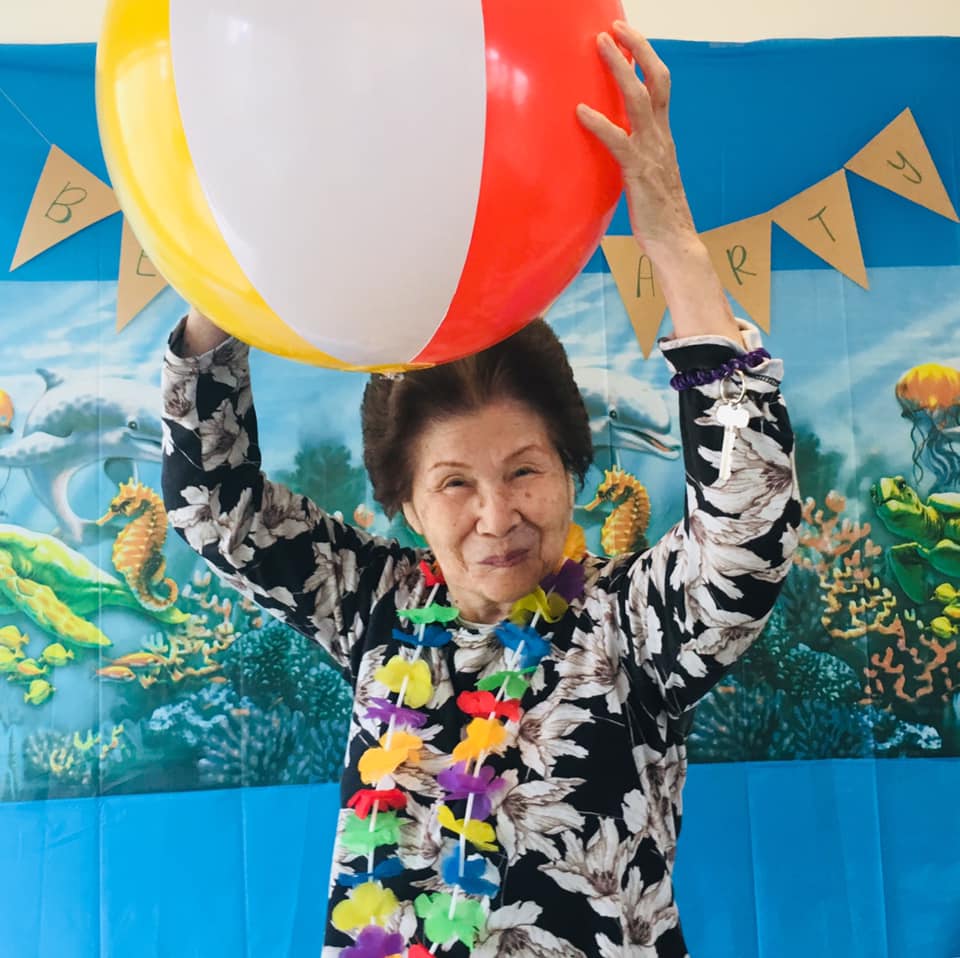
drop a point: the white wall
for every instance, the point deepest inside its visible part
(65, 21)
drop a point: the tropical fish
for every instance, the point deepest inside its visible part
(119, 672)
(31, 668)
(9, 659)
(56, 654)
(12, 638)
(40, 690)
(138, 660)
(6, 411)
(76, 423)
(363, 516)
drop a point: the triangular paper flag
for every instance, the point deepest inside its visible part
(639, 289)
(68, 198)
(741, 256)
(897, 159)
(821, 218)
(138, 282)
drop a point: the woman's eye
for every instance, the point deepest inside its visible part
(523, 471)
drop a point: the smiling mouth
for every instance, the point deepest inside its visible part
(507, 560)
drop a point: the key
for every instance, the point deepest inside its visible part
(733, 417)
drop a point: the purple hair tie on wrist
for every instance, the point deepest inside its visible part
(702, 377)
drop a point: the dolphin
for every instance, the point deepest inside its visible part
(78, 422)
(625, 414)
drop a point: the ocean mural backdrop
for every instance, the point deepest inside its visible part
(131, 669)
(128, 672)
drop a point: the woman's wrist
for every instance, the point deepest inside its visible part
(694, 294)
(200, 334)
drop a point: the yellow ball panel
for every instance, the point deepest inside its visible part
(157, 184)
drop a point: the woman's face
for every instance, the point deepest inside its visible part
(494, 502)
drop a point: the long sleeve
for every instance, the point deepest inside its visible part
(696, 601)
(319, 575)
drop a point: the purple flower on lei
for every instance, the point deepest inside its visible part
(457, 783)
(568, 582)
(382, 710)
(374, 942)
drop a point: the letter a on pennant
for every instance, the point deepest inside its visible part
(897, 159)
(639, 289)
(821, 218)
(138, 282)
(68, 199)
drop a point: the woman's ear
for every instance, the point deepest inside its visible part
(413, 520)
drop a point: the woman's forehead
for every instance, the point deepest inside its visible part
(498, 431)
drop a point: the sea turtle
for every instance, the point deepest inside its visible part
(55, 586)
(933, 528)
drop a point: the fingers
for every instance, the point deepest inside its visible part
(606, 131)
(636, 98)
(656, 76)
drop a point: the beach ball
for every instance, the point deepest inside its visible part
(374, 185)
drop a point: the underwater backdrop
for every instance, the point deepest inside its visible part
(129, 668)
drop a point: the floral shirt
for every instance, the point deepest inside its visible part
(588, 818)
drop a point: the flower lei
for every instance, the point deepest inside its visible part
(447, 916)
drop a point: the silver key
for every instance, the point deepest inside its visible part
(733, 417)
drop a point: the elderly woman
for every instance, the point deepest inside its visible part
(516, 756)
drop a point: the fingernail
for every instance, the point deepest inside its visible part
(619, 25)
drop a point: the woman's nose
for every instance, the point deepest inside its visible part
(497, 512)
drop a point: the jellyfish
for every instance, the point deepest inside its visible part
(929, 396)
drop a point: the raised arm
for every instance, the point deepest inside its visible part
(694, 603)
(300, 564)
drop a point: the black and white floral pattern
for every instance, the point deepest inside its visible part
(587, 821)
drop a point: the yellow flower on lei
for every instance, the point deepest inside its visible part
(367, 904)
(375, 763)
(483, 735)
(419, 689)
(575, 546)
(480, 834)
(551, 607)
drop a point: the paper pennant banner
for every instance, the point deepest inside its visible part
(821, 218)
(897, 159)
(741, 256)
(138, 282)
(68, 199)
(641, 294)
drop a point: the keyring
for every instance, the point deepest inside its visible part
(738, 381)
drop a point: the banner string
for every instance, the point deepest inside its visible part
(26, 119)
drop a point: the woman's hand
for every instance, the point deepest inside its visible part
(659, 213)
(660, 216)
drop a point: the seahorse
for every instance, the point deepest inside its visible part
(138, 548)
(624, 530)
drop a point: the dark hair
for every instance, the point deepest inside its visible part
(530, 367)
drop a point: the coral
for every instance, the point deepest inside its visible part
(73, 763)
(276, 663)
(189, 720)
(783, 662)
(817, 730)
(733, 724)
(324, 472)
(248, 746)
(917, 674)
